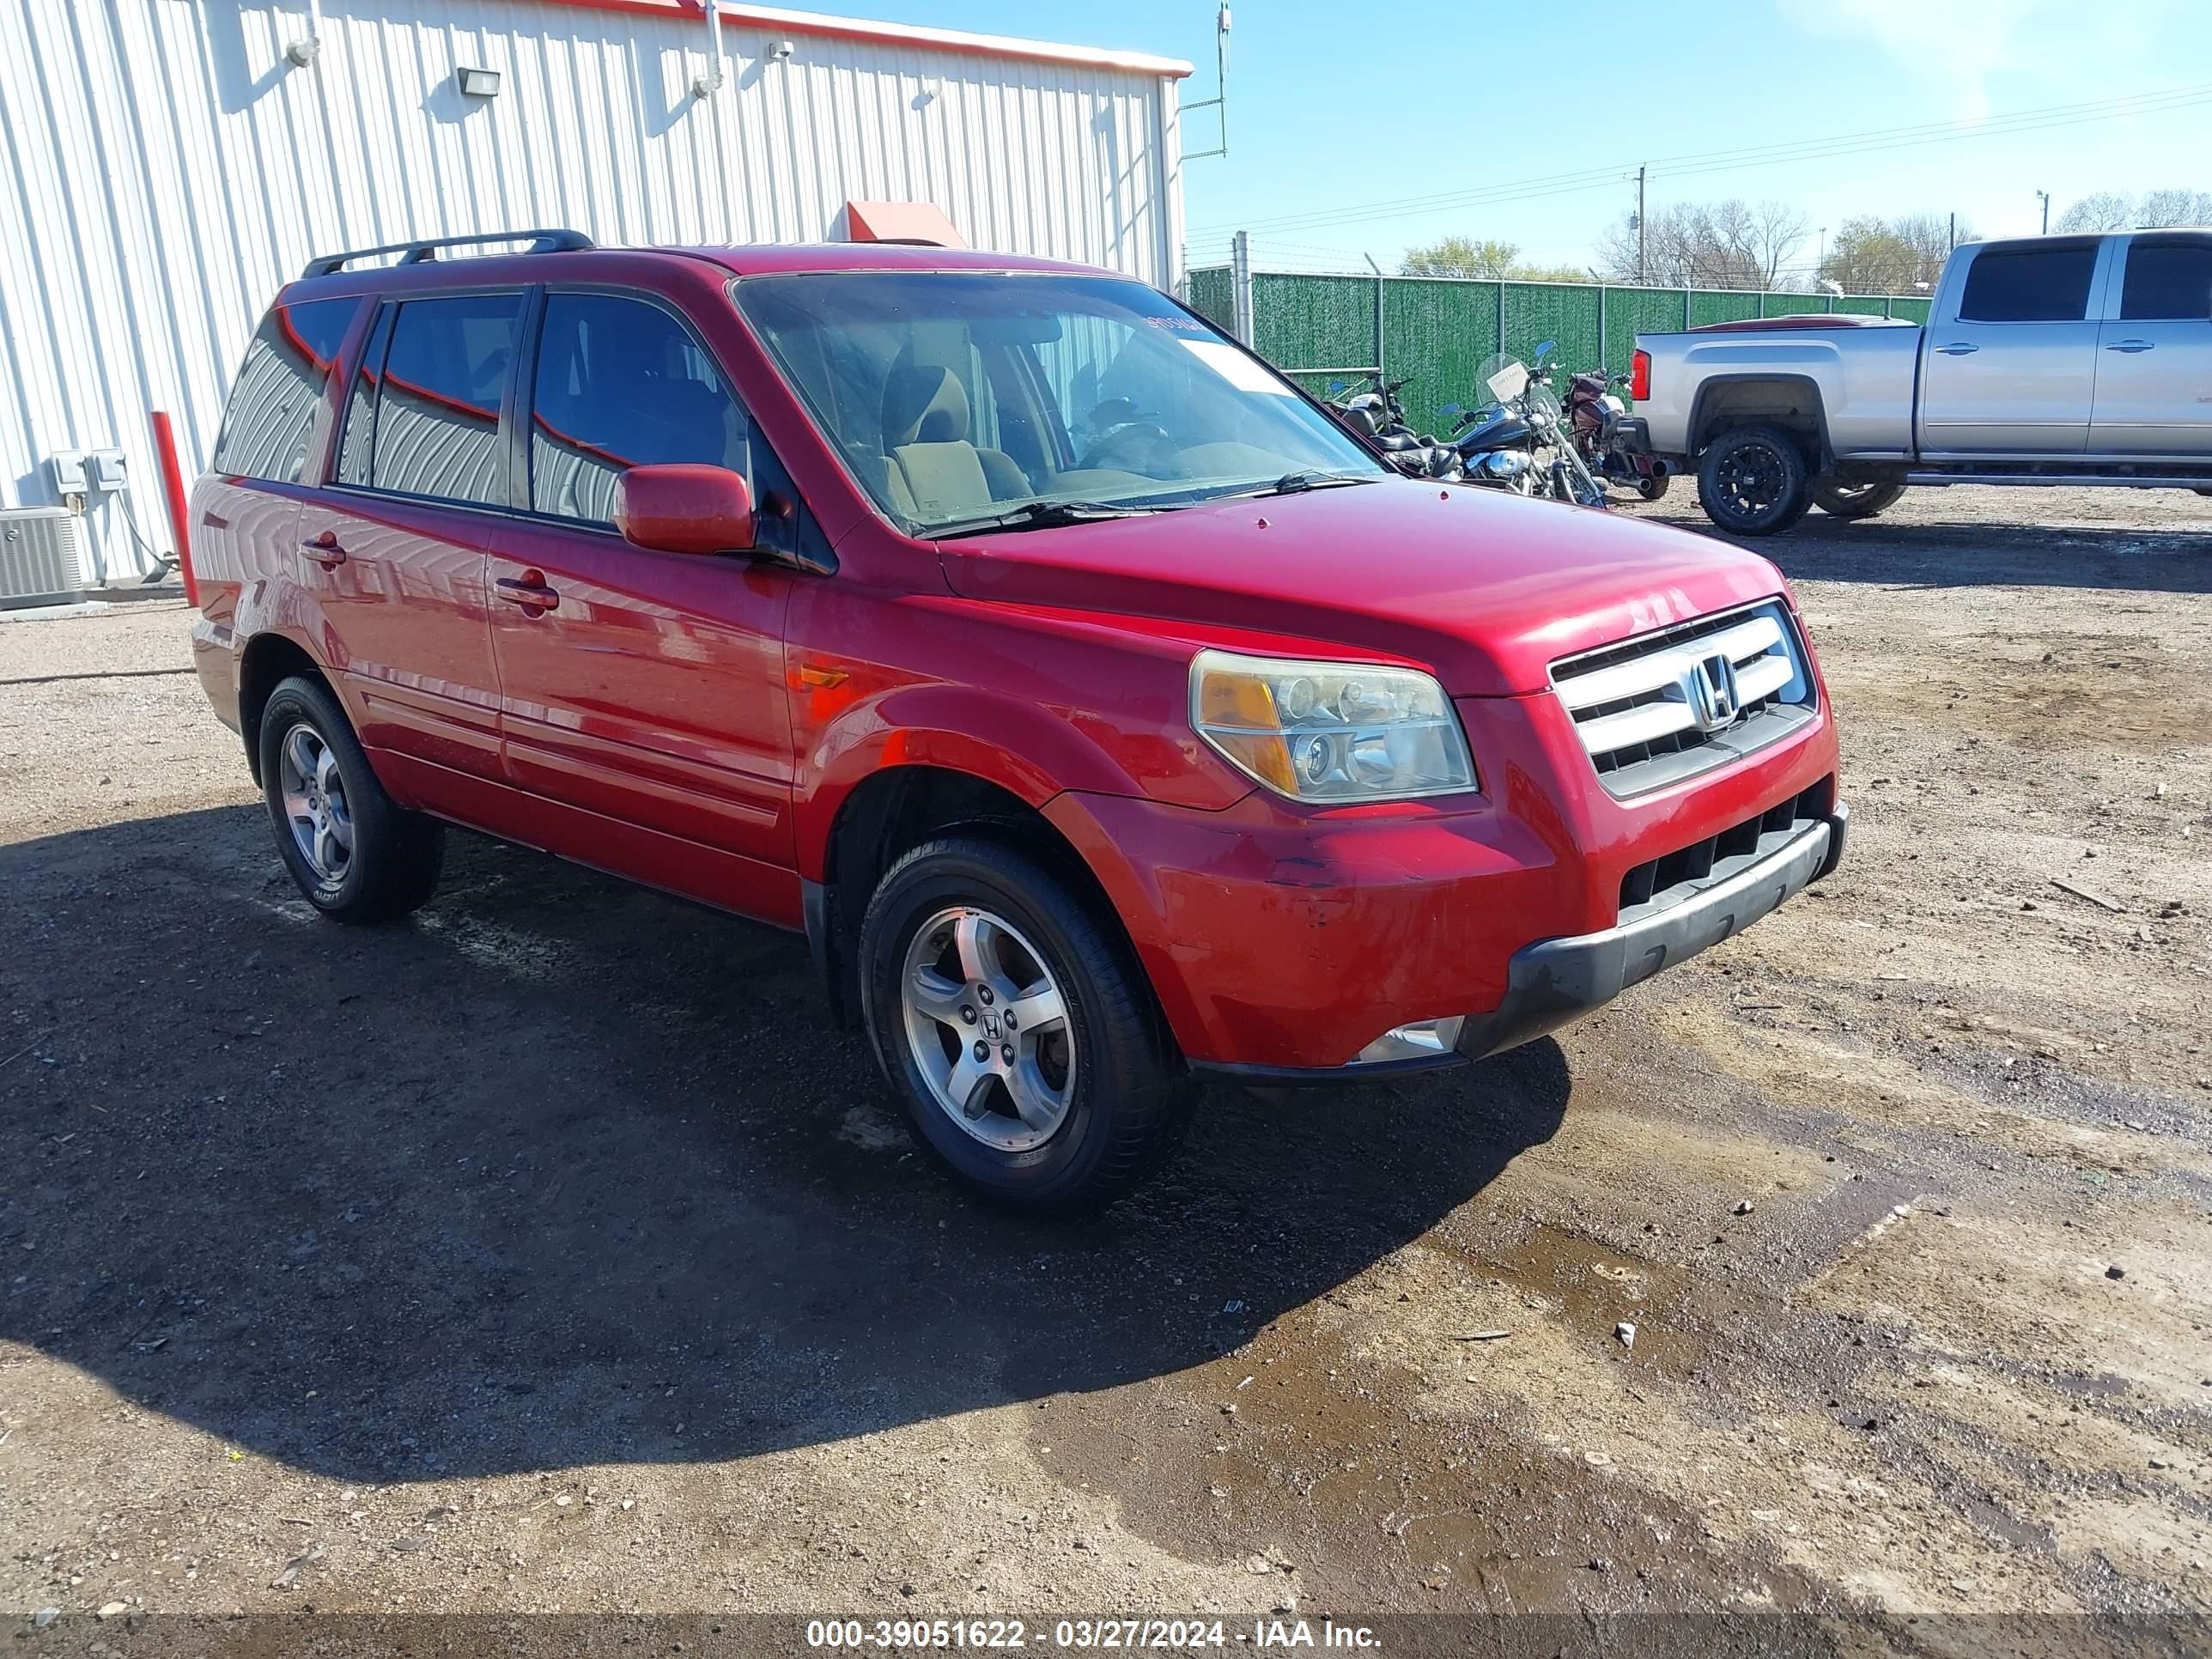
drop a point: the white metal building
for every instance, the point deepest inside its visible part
(173, 161)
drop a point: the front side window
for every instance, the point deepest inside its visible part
(2167, 281)
(622, 383)
(959, 399)
(279, 387)
(2049, 283)
(436, 421)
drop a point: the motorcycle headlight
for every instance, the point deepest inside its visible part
(1330, 731)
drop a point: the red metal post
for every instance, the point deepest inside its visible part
(172, 486)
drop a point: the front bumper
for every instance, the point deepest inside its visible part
(1554, 982)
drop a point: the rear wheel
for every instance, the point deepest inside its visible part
(1842, 500)
(354, 853)
(1020, 1037)
(1753, 481)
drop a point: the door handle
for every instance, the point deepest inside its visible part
(528, 590)
(1958, 349)
(2132, 345)
(325, 550)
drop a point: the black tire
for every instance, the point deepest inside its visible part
(1653, 490)
(1753, 481)
(1129, 1094)
(1848, 501)
(393, 864)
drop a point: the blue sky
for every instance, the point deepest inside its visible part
(1343, 106)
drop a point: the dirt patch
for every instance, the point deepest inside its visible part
(544, 1252)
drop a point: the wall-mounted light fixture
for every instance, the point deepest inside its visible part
(477, 82)
(779, 50)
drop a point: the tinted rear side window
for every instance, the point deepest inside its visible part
(621, 383)
(2049, 284)
(437, 408)
(2167, 281)
(279, 387)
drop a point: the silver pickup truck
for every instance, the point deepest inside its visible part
(2073, 360)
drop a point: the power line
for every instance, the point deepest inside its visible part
(1712, 161)
(1765, 155)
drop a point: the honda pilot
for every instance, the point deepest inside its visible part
(1105, 716)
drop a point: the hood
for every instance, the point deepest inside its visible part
(1485, 589)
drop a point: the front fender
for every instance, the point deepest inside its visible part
(1032, 751)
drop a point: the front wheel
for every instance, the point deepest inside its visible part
(1841, 500)
(1753, 481)
(1018, 1031)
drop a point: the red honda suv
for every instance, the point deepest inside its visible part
(1105, 714)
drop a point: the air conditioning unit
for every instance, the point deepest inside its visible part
(41, 556)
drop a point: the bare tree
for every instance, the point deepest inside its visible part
(1733, 244)
(2160, 209)
(2105, 211)
(1889, 256)
(2154, 211)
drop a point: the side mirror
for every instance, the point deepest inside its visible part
(684, 508)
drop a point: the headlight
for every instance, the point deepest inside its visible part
(1330, 731)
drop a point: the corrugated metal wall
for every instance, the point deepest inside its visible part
(170, 167)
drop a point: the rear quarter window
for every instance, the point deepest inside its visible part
(271, 413)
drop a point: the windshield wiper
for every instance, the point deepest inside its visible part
(1040, 515)
(1292, 483)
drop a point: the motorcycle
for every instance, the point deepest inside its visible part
(1379, 417)
(1520, 441)
(1595, 413)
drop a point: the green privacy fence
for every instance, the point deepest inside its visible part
(1329, 330)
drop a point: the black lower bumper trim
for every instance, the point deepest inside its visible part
(1556, 980)
(1316, 1077)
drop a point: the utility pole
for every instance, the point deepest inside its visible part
(1642, 271)
(1824, 244)
(2045, 196)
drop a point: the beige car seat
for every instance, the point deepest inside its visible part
(926, 444)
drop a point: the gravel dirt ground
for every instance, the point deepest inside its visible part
(549, 1253)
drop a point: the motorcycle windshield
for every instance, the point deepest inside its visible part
(1503, 376)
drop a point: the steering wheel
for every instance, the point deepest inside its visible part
(1133, 446)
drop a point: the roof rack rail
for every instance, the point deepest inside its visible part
(416, 253)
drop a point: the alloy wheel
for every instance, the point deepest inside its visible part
(988, 1026)
(315, 806)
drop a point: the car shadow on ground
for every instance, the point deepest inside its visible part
(564, 1172)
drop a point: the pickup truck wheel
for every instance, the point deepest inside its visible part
(352, 851)
(1854, 500)
(1753, 481)
(1021, 1039)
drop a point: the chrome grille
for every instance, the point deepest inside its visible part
(1666, 705)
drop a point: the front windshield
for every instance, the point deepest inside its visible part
(959, 399)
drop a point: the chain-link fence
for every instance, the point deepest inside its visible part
(1328, 331)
